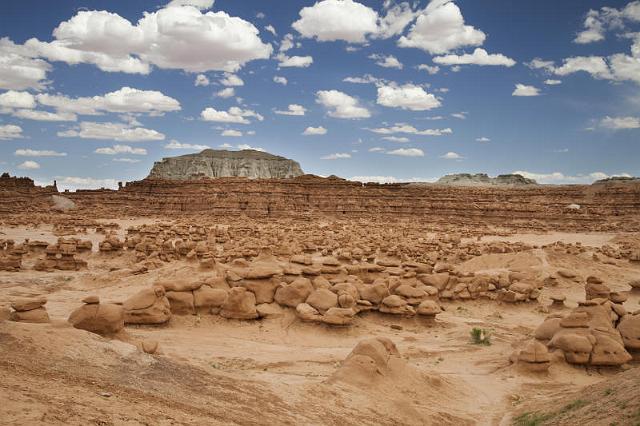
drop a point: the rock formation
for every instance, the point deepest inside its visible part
(212, 163)
(482, 179)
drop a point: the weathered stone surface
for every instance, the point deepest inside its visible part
(221, 163)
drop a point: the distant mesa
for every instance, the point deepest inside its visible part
(212, 163)
(482, 179)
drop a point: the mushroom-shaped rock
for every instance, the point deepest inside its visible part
(575, 320)
(618, 297)
(240, 304)
(180, 286)
(307, 312)
(395, 304)
(338, 316)
(576, 347)
(295, 293)
(29, 310)
(148, 306)
(412, 295)
(264, 289)
(429, 309)
(596, 289)
(557, 301)
(629, 329)
(374, 293)
(23, 305)
(323, 299)
(103, 319)
(534, 357)
(608, 351)
(209, 300)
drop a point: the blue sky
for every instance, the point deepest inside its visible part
(93, 92)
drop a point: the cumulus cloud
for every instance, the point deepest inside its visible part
(561, 178)
(73, 183)
(31, 114)
(201, 80)
(200, 4)
(441, 28)
(478, 57)
(227, 92)
(13, 99)
(483, 139)
(314, 131)
(406, 128)
(551, 82)
(365, 79)
(245, 146)
(341, 105)
(594, 65)
(620, 123)
(293, 109)
(10, 131)
(294, 61)
(120, 149)
(336, 156)
(19, 70)
(597, 22)
(174, 144)
(452, 156)
(111, 131)
(400, 139)
(280, 80)
(231, 133)
(29, 165)
(524, 90)
(431, 69)
(409, 96)
(331, 20)
(233, 115)
(36, 153)
(231, 80)
(386, 61)
(407, 152)
(171, 38)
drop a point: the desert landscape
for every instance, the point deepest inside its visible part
(320, 212)
(308, 300)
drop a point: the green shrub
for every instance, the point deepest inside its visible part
(480, 336)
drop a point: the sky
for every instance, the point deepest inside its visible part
(93, 92)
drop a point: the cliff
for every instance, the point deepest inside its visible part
(212, 163)
(482, 179)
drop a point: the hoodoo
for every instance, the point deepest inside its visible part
(212, 163)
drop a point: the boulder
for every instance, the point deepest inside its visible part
(535, 357)
(307, 312)
(629, 329)
(209, 300)
(103, 319)
(395, 304)
(322, 299)
(22, 305)
(181, 302)
(338, 316)
(148, 306)
(429, 309)
(295, 293)
(240, 304)
(38, 315)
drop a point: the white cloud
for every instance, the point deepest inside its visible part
(552, 82)
(294, 61)
(227, 92)
(287, 43)
(406, 128)
(524, 90)
(271, 30)
(389, 179)
(35, 153)
(73, 183)
(376, 149)
(620, 123)
(293, 109)
(594, 29)
(395, 21)
(231, 133)
(280, 80)
(386, 61)
(10, 131)
(18, 70)
(336, 156)
(483, 139)
(452, 156)
(560, 178)
(120, 149)
(409, 96)
(478, 57)
(13, 99)
(431, 69)
(597, 22)
(29, 165)
(171, 38)
(231, 80)
(594, 65)
(400, 139)
(459, 115)
(124, 100)
(174, 144)
(440, 28)
(234, 115)
(541, 64)
(112, 131)
(407, 152)
(331, 20)
(314, 131)
(341, 105)
(245, 146)
(31, 114)
(201, 80)
(365, 79)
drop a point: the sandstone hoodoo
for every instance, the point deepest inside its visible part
(212, 163)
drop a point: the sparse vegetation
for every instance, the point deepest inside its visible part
(578, 403)
(481, 336)
(531, 419)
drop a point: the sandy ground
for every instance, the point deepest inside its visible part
(277, 371)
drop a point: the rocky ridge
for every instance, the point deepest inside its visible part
(482, 179)
(212, 163)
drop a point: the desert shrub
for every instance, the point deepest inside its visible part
(480, 336)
